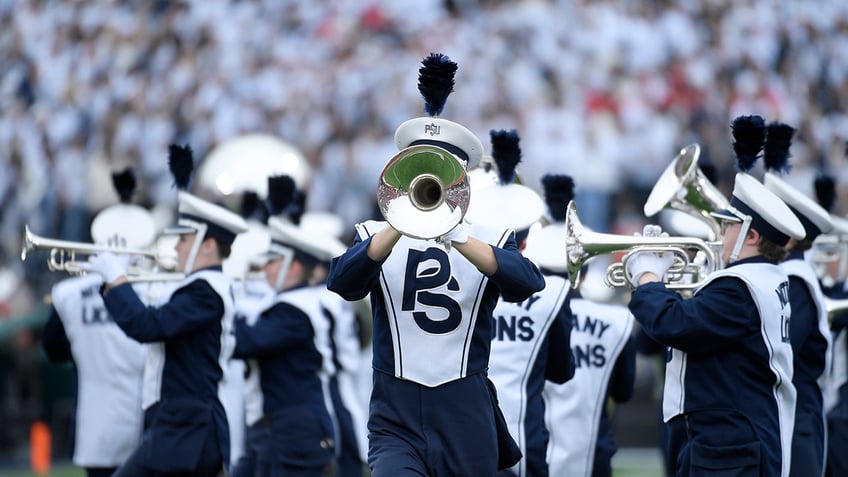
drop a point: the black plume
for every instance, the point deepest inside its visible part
(559, 191)
(506, 153)
(181, 163)
(280, 193)
(749, 134)
(124, 183)
(252, 207)
(825, 187)
(776, 151)
(710, 172)
(435, 82)
(297, 207)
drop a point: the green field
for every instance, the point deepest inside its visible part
(627, 463)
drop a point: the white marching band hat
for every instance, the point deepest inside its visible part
(769, 215)
(546, 247)
(507, 203)
(196, 214)
(815, 219)
(287, 236)
(511, 205)
(453, 137)
(132, 226)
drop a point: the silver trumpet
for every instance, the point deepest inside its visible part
(423, 192)
(583, 245)
(63, 257)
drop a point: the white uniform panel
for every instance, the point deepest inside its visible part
(109, 366)
(599, 334)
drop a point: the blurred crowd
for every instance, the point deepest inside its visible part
(604, 90)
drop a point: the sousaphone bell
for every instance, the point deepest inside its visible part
(423, 192)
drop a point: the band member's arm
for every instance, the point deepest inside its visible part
(716, 316)
(516, 277)
(354, 273)
(54, 340)
(191, 307)
(805, 315)
(276, 331)
(560, 367)
(623, 377)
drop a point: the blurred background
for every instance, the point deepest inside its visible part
(604, 90)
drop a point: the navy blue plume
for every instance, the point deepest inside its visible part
(181, 163)
(559, 191)
(825, 187)
(297, 207)
(252, 207)
(435, 82)
(506, 153)
(776, 151)
(280, 193)
(749, 134)
(124, 183)
(710, 172)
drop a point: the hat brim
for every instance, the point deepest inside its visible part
(178, 230)
(726, 216)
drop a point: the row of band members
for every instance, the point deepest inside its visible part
(483, 361)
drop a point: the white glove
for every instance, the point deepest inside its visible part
(108, 265)
(458, 234)
(645, 261)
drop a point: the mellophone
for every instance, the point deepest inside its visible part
(682, 187)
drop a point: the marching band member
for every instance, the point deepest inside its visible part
(603, 355)
(186, 430)
(530, 339)
(251, 294)
(287, 345)
(432, 305)
(829, 252)
(729, 402)
(109, 365)
(349, 410)
(809, 330)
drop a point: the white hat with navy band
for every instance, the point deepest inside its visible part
(815, 219)
(767, 213)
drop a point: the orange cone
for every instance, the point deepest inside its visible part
(39, 448)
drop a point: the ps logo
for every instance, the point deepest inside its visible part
(432, 129)
(426, 271)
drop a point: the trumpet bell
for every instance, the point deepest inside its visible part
(682, 186)
(423, 192)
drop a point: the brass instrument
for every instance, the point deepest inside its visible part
(682, 186)
(423, 192)
(245, 163)
(835, 306)
(582, 245)
(63, 257)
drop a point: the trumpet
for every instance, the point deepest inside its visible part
(423, 192)
(63, 257)
(686, 274)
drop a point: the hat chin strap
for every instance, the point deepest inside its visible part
(195, 247)
(287, 254)
(743, 232)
